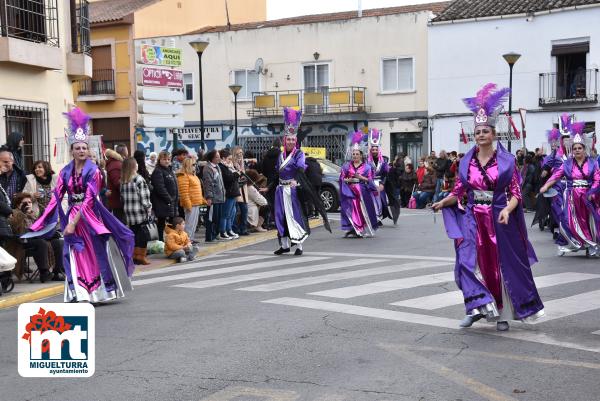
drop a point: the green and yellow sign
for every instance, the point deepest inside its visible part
(159, 55)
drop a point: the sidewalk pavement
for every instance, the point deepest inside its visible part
(30, 292)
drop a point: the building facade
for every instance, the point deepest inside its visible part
(109, 96)
(557, 71)
(44, 47)
(343, 71)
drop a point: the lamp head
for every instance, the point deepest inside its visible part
(511, 58)
(235, 88)
(199, 45)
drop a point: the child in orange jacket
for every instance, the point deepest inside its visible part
(177, 243)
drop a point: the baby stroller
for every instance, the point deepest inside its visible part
(7, 264)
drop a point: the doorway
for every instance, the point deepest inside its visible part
(407, 143)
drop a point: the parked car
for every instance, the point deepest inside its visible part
(330, 189)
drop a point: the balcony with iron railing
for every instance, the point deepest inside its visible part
(29, 33)
(100, 87)
(80, 27)
(30, 20)
(321, 101)
(571, 87)
(79, 59)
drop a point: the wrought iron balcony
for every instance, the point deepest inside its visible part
(101, 83)
(572, 87)
(31, 20)
(324, 100)
(80, 27)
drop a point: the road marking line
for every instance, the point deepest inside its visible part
(515, 333)
(203, 273)
(353, 255)
(597, 332)
(204, 263)
(451, 298)
(367, 312)
(531, 335)
(562, 307)
(454, 376)
(386, 286)
(521, 358)
(304, 281)
(233, 393)
(278, 273)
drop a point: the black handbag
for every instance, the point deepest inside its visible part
(151, 230)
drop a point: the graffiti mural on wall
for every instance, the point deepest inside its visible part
(159, 139)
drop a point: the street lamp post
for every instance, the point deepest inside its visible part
(235, 89)
(200, 46)
(511, 59)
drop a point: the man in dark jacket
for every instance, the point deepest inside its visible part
(268, 168)
(14, 143)
(12, 178)
(269, 161)
(314, 173)
(442, 165)
(530, 181)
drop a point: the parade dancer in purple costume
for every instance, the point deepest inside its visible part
(290, 216)
(579, 221)
(98, 247)
(358, 215)
(550, 164)
(493, 254)
(380, 169)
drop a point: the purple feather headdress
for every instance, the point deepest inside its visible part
(553, 135)
(375, 140)
(79, 128)
(487, 104)
(574, 130)
(291, 121)
(356, 143)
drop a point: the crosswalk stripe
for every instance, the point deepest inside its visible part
(304, 281)
(202, 263)
(277, 273)
(386, 286)
(366, 311)
(437, 301)
(515, 333)
(278, 262)
(562, 307)
(353, 255)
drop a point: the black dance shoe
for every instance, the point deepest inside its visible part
(298, 252)
(281, 251)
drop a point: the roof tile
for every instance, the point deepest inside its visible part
(436, 8)
(467, 9)
(114, 10)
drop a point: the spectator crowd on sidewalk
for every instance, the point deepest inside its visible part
(224, 192)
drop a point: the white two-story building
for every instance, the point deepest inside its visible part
(344, 70)
(559, 47)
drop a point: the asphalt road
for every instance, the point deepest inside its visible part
(352, 319)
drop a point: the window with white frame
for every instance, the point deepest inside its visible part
(250, 82)
(397, 74)
(188, 87)
(316, 76)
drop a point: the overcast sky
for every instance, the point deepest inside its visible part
(289, 8)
